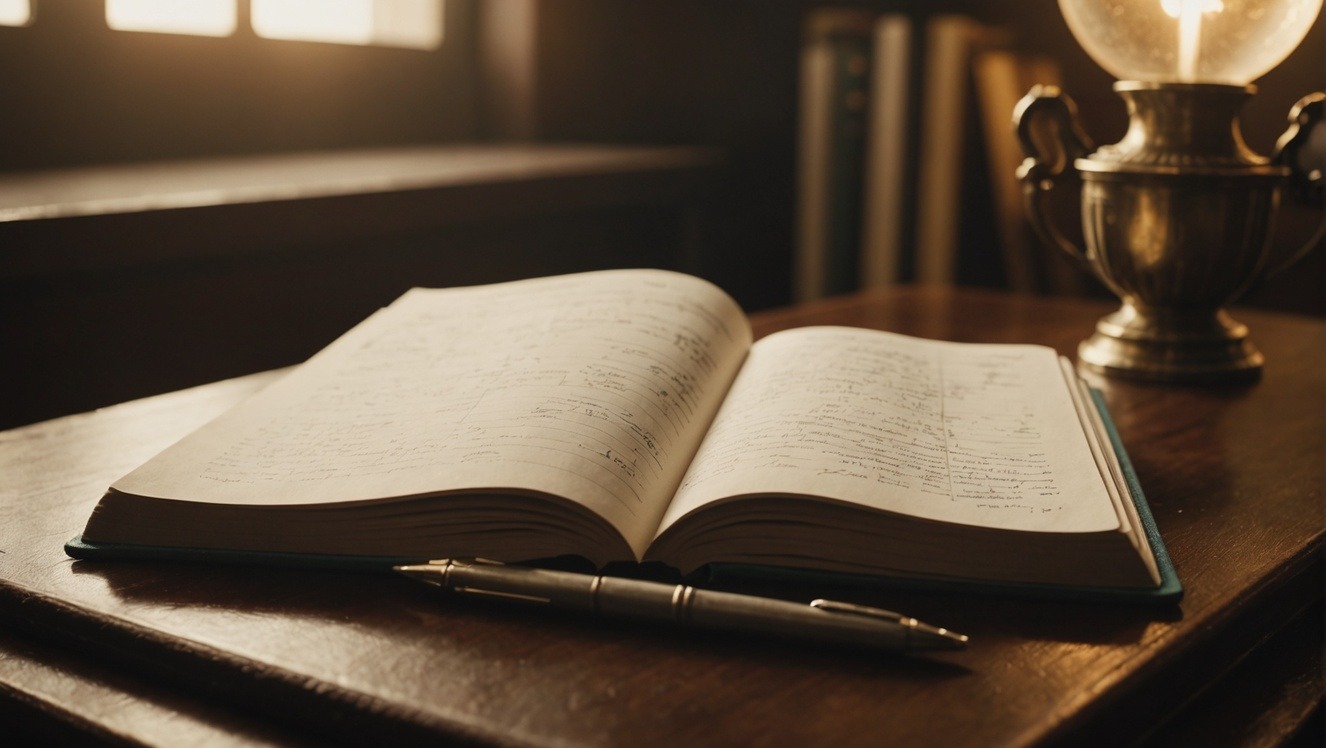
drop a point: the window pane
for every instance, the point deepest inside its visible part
(201, 17)
(15, 12)
(392, 23)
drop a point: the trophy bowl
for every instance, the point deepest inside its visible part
(1177, 219)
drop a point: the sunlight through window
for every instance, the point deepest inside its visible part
(393, 23)
(200, 17)
(15, 12)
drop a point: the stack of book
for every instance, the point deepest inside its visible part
(907, 156)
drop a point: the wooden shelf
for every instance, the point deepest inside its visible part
(113, 216)
(122, 281)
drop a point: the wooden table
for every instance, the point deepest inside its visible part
(163, 653)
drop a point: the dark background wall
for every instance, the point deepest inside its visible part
(708, 72)
(76, 92)
(725, 74)
(716, 73)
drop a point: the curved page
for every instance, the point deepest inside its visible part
(971, 434)
(594, 387)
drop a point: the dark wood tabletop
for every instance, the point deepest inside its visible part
(1234, 475)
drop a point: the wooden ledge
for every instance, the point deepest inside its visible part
(112, 216)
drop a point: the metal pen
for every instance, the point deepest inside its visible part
(617, 597)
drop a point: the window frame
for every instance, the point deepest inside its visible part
(92, 95)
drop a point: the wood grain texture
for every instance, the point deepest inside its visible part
(1234, 476)
(54, 697)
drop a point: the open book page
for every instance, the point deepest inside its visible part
(595, 387)
(975, 434)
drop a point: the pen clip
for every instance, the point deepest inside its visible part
(830, 606)
(934, 637)
(502, 595)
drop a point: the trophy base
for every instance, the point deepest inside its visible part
(1176, 347)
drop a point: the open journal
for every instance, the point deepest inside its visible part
(626, 416)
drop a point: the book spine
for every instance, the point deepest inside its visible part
(835, 80)
(943, 113)
(886, 153)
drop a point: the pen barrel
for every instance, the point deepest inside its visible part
(616, 597)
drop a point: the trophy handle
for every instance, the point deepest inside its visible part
(1048, 129)
(1302, 148)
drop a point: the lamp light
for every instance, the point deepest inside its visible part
(1177, 216)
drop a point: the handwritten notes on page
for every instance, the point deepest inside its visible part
(594, 387)
(973, 434)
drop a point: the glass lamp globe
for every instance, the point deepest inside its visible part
(1189, 41)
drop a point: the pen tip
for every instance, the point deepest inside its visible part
(934, 637)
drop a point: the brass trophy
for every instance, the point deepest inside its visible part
(1177, 220)
(1177, 216)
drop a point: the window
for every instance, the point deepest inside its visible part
(200, 17)
(15, 12)
(215, 78)
(390, 23)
